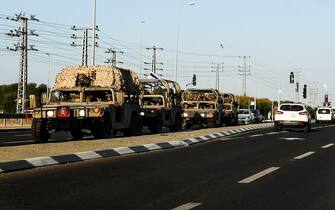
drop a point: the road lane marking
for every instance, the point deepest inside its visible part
(187, 206)
(303, 155)
(256, 135)
(293, 139)
(22, 135)
(258, 175)
(327, 146)
(271, 133)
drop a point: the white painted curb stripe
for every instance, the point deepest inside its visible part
(194, 140)
(88, 155)
(187, 206)
(220, 134)
(258, 175)
(304, 155)
(123, 150)
(41, 161)
(203, 138)
(327, 146)
(152, 147)
(212, 136)
(1, 170)
(177, 143)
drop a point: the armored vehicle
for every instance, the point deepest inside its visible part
(202, 107)
(94, 100)
(160, 104)
(230, 109)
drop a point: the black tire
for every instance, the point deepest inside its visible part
(156, 125)
(98, 130)
(211, 124)
(177, 124)
(276, 127)
(107, 126)
(77, 134)
(307, 128)
(40, 131)
(135, 126)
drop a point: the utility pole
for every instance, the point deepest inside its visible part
(85, 37)
(154, 62)
(217, 67)
(113, 60)
(94, 31)
(244, 71)
(23, 47)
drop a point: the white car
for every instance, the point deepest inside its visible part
(324, 114)
(245, 116)
(292, 115)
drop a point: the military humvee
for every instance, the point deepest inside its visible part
(94, 100)
(160, 104)
(202, 107)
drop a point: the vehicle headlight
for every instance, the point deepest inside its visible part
(50, 113)
(82, 113)
(142, 114)
(203, 114)
(185, 114)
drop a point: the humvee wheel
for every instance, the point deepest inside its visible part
(156, 125)
(177, 124)
(135, 126)
(39, 130)
(102, 128)
(77, 134)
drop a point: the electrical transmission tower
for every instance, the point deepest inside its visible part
(85, 37)
(113, 60)
(23, 32)
(154, 62)
(244, 71)
(217, 67)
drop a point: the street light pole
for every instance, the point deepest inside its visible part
(48, 85)
(177, 39)
(140, 50)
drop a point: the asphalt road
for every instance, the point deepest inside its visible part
(256, 170)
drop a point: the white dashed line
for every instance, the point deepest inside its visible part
(256, 135)
(327, 146)
(258, 175)
(303, 155)
(187, 206)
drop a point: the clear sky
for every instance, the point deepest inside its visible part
(280, 36)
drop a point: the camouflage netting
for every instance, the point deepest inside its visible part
(97, 76)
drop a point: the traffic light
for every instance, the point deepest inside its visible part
(297, 87)
(326, 99)
(291, 78)
(194, 80)
(304, 93)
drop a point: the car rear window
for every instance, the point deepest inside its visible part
(294, 108)
(324, 111)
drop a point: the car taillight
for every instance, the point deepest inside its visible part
(279, 112)
(63, 112)
(303, 113)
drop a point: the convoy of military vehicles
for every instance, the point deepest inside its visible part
(102, 100)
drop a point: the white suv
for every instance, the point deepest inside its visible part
(292, 115)
(324, 114)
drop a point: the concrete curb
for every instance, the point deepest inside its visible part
(30, 163)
